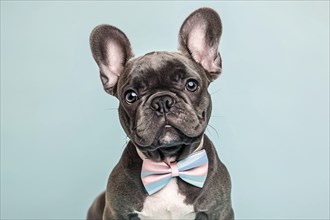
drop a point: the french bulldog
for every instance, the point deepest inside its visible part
(164, 108)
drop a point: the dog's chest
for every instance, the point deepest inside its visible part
(167, 204)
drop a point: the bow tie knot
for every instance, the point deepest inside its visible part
(174, 169)
(193, 170)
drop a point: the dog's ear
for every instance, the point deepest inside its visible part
(111, 50)
(199, 38)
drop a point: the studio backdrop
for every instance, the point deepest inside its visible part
(60, 133)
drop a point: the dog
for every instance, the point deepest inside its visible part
(170, 168)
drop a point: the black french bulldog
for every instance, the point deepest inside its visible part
(164, 109)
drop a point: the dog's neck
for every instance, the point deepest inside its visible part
(168, 160)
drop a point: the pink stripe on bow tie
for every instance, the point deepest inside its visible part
(155, 178)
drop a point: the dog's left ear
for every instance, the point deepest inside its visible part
(199, 38)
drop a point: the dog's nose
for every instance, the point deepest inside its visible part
(162, 104)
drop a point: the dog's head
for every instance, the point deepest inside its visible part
(164, 103)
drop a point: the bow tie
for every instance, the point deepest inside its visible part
(193, 170)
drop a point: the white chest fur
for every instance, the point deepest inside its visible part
(167, 204)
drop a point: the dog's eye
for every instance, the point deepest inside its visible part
(130, 96)
(191, 85)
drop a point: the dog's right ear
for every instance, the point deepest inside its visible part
(111, 50)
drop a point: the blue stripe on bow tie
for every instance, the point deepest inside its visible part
(154, 187)
(194, 160)
(194, 180)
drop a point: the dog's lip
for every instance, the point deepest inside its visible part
(177, 145)
(165, 127)
(155, 148)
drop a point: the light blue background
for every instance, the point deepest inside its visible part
(60, 136)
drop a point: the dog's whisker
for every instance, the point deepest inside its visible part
(126, 142)
(216, 91)
(215, 130)
(217, 116)
(111, 109)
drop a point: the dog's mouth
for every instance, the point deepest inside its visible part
(168, 136)
(169, 142)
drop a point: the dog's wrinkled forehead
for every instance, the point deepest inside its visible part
(160, 68)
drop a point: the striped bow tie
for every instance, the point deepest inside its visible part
(193, 170)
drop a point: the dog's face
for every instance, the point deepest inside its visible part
(164, 103)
